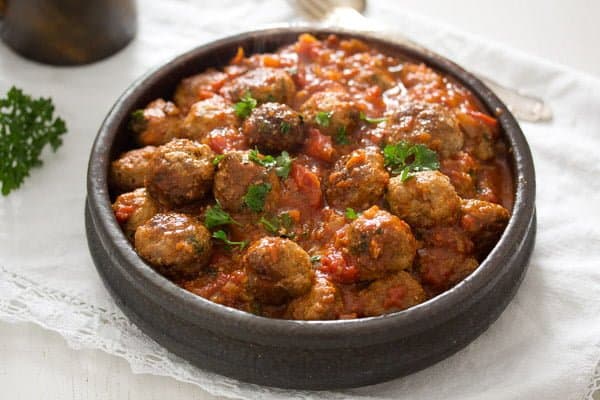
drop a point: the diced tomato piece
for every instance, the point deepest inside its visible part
(318, 145)
(124, 211)
(335, 266)
(486, 119)
(308, 183)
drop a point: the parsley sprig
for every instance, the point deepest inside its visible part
(363, 117)
(216, 216)
(351, 214)
(405, 158)
(27, 125)
(244, 107)
(280, 225)
(256, 196)
(341, 137)
(222, 236)
(323, 118)
(282, 163)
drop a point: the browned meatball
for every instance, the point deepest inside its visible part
(193, 89)
(181, 172)
(278, 270)
(133, 209)
(426, 123)
(176, 245)
(484, 222)
(479, 136)
(378, 242)
(235, 175)
(274, 127)
(263, 84)
(206, 115)
(129, 171)
(322, 302)
(330, 112)
(426, 199)
(393, 293)
(358, 180)
(440, 268)
(157, 124)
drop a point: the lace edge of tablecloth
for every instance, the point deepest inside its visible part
(22, 299)
(25, 300)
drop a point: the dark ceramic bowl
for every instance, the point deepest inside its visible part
(302, 354)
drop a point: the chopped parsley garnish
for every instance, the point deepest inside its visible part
(27, 125)
(363, 117)
(315, 259)
(285, 127)
(350, 213)
(260, 159)
(256, 196)
(282, 163)
(137, 121)
(405, 158)
(341, 137)
(279, 225)
(217, 159)
(221, 235)
(244, 107)
(216, 216)
(323, 118)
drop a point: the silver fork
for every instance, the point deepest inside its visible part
(348, 14)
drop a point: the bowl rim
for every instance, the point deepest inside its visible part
(353, 332)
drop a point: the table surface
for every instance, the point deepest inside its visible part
(37, 364)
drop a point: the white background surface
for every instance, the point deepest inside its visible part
(36, 364)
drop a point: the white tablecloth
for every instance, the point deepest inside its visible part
(545, 345)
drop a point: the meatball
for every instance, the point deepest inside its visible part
(426, 199)
(198, 87)
(157, 124)
(341, 111)
(176, 245)
(322, 302)
(358, 180)
(390, 294)
(278, 270)
(377, 243)
(263, 84)
(181, 172)
(440, 268)
(274, 127)
(128, 172)
(479, 135)
(235, 175)
(206, 115)
(133, 209)
(484, 222)
(430, 124)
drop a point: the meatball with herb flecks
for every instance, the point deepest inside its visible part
(206, 115)
(274, 127)
(393, 293)
(427, 123)
(278, 270)
(332, 112)
(424, 199)
(377, 243)
(156, 124)
(198, 87)
(241, 184)
(132, 209)
(176, 245)
(180, 172)
(322, 302)
(129, 171)
(262, 84)
(358, 180)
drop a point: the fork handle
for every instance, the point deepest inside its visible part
(524, 107)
